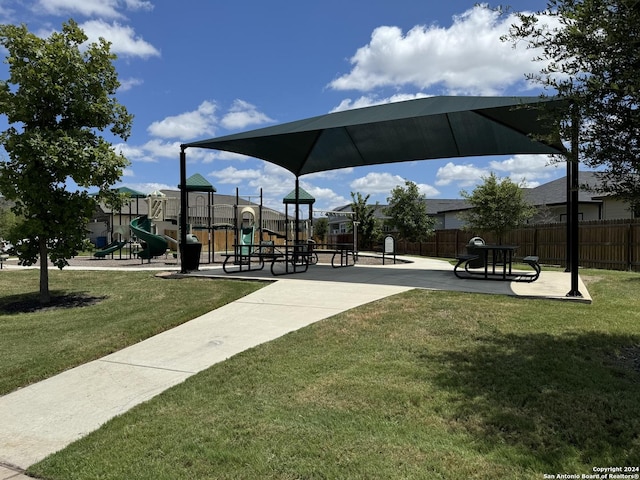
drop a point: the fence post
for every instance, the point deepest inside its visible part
(629, 248)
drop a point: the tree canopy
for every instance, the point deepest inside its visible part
(407, 213)
(592, 53)
(497, 206)
(364, 214)
(58, 100)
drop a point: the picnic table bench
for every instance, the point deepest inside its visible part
(344, 252)
(295, 258)
(501, 254)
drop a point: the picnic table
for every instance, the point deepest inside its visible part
(249, 257)
(342, 254)
(288, 258)
(501, 255)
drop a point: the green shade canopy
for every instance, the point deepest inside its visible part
(422, 129)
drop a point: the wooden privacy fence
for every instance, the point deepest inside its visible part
(610, 244)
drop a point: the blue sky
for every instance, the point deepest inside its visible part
(196, 69)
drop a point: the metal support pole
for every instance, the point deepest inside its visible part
(184, 209)
(569, 220)
(575, 210)
(297, 237)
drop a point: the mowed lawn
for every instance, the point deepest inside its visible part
(101, 312)
(420, 385)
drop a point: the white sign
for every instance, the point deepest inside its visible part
(389, 244)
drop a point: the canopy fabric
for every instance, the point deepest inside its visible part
(422, 129)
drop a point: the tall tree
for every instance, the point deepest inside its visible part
(592, 52)
(364, 214)
(497, 206)
(407, 213)
(58, 99)
(321, 228)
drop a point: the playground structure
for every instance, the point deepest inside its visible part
(246, 221)
(153, 245)
(136, 233)
(146, 225)
(114, 246)
(290, 250)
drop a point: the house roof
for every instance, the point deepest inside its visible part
(555, 192)
(551, 193)
(441, 205)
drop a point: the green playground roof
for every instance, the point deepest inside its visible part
(304, 197)
(197, 183)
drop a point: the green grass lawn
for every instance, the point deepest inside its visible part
(420, 385)
(120, 309)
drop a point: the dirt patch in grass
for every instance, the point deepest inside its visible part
(31, 303)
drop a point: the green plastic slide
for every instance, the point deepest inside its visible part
(112, 247)
(246, 238)
(155, 245)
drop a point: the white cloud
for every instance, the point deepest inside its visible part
(524, 165)
(187, 125)
(383, 183)
(274, 181)
(124, 41)
(463, 175)
(326, 198)
(127, 84)
(203, 121)
(231, 175)
(528, 170)
(159, 149)
(132, 152)
(87, 8)
(221, 155)
(149, 187)
(151, 151)
(338, 174)
(91, 8)
(138, 5)
(242, 114)
(466, 58)
(370, 100)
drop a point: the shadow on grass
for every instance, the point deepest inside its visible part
(30, 303)
(559, 401)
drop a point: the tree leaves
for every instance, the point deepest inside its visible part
(593, 55)
(58, 98)
(497, 206)
(408, 212)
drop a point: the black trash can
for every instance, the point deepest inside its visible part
(472, 250)
(191, 253)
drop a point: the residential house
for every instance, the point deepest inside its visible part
(550, 199)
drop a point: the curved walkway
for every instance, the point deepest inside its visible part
(43, 418)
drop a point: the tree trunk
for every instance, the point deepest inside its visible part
(45, 296)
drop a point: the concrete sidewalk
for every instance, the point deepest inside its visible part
(45, 417)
